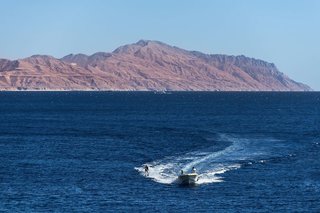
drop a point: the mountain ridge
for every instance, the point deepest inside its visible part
(145, 66)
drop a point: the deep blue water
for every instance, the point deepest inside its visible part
(84, 152)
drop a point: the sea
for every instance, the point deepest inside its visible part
(86, 151)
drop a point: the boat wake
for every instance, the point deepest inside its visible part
(210, 163)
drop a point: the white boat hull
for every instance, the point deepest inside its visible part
(188, 179)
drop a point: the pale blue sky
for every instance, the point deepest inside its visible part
(285, 32)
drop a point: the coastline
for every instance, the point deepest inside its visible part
(171, 91)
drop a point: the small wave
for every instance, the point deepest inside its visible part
(210, 164)
(213, 176)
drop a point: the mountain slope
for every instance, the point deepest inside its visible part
(145, 65)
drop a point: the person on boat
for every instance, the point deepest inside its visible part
(193, 170)
(146, 170)
(181, 172)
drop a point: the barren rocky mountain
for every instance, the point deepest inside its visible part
(145, 65)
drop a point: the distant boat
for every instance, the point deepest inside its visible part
(160, 92)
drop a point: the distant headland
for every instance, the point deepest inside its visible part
(144, 66)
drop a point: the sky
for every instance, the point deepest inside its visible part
(284, 32)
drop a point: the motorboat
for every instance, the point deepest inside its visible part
(188, 178)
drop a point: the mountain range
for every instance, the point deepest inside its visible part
(144, 66)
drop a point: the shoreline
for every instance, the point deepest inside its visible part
(167, 91)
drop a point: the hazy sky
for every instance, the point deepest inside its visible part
(285, 32)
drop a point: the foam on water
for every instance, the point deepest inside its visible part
(210, 164)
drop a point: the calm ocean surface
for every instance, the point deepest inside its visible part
(84, 151)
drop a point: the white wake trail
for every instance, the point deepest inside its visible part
(210, 165)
